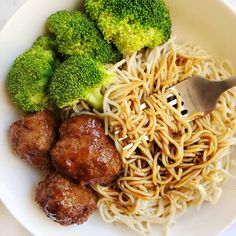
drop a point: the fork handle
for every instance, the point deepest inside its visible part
(228, 83)
(216, 88)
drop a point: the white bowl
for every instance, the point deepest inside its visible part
(208, 23)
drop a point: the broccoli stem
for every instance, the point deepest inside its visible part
(95, 99)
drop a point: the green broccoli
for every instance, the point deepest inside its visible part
(77, 35)
(27, 81)
(46, 43)
(131, 25)
(79, 77)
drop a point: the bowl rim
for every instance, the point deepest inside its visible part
(3, 198)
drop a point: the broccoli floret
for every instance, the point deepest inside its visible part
(131, 25)
(46, 43)
(79, 77)
(27, 81)
(77, 35)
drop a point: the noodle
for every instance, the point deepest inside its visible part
(170, 162)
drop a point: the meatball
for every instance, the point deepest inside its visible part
(84, 125)
(33, 136)
(64, 201)
(85, 153)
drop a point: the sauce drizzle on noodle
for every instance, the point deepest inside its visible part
(170, 162)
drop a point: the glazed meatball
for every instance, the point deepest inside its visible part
(85, 153)
(33, 136)
(64, 201)
(84, 125)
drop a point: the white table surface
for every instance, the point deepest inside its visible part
(8, 224)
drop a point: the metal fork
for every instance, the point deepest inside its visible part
(199, 94)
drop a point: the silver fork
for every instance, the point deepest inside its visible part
(199, 94)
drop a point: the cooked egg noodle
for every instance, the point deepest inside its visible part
(170, 161)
